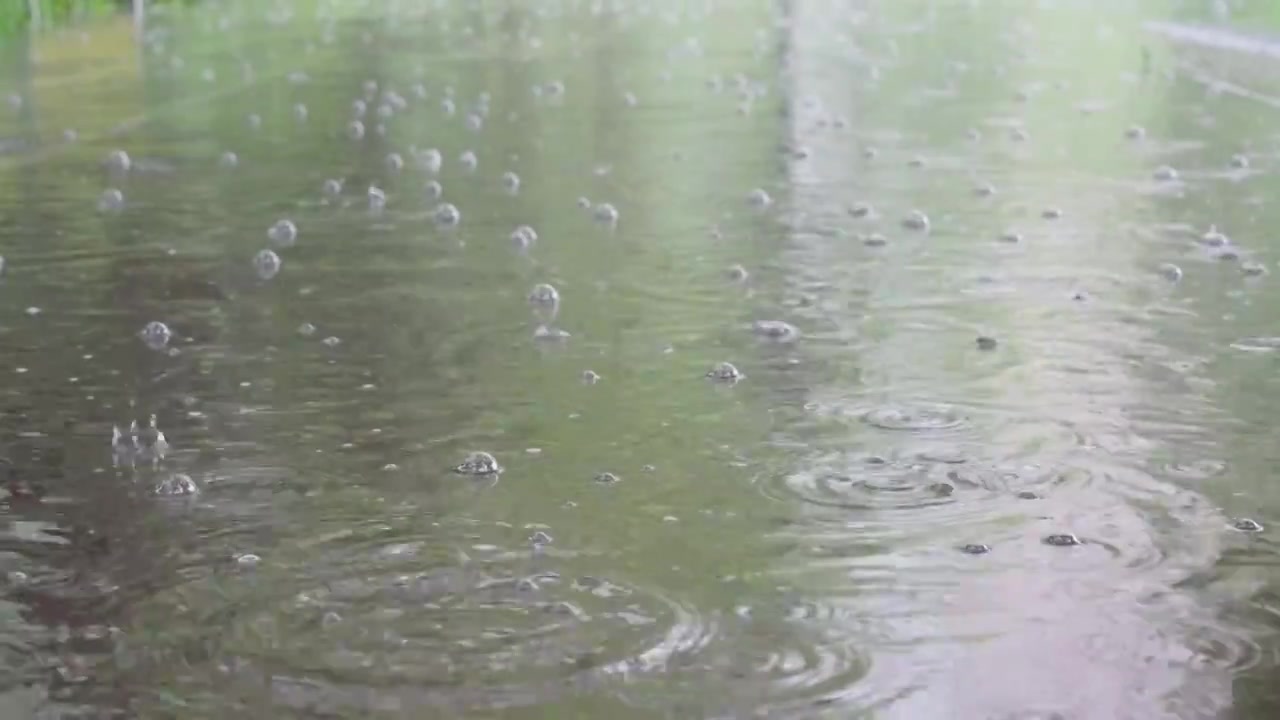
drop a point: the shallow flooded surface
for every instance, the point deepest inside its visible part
(642, 360)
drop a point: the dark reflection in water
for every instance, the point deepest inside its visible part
(992, 278)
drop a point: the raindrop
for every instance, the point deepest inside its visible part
(1240, 162)
(433, 190)
(468, 161)
(986, 342)
(1135, 132)
(607, 478)
(1061, 540)
(975, 549)
(584, 203)
(540, 538)
(332, 341)
(331, 188)
(590, 377)
(1164, 173)
(737, 273)
(861, 210)
(266, 264)
(300, 112)
(306, 329)
(875, 240)
(1246, 525)
(394, 162)
(1011, 237)
(228, 160)
(248, 560)
(1051, 213)
(254, 121)
(359, 108)
(355, 130)
(474, 122)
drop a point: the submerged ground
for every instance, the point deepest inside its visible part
(996, 278)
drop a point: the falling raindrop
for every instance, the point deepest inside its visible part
(283, 233)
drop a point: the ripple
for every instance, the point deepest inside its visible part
(392, 608)
(915, 418)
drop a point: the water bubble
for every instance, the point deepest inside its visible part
(524, 237)
(1253, 268)
(266, 264)
(1061, 540)
(228, 160)
(590, 377)
(177, 484)
(306, 329)
(540, 538)
(775, 330)
(544, 295)
(1240, 162)
(359, 108)
(861, 210)
(355, 130)
(1214, 238)
(607, 478)
(1164, 173)
(1135, 132)
(248, 560)
(555, 89)
(1051, 213)
(331, 188)
(254, 121)
(1246, 525)
(447, 215)
(283, 233)
(1169, 272)
(630, 99)
(332, 341)
(1019, 135)
(725, 372)
(156, 335)
(118, 161)
(916, 220)
(370, 88)
(546, 332)
(433, 190)
(985, 342)
(606, 214)
(478, 463)
(385, 111)
(394, 162)
(430, 160)
(447, 105)
(111, 201)
(511, 182)
(875, 240)
(474, 122)
(975, 549)
(584, 203)
(70, 135)
(984, 190)
(468, 161)
(759, 198)
(737, 273)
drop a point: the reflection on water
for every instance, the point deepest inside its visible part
(576, 359)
